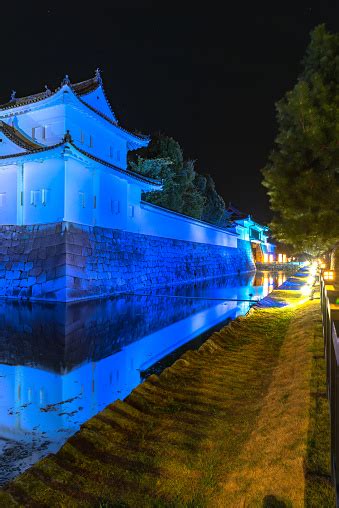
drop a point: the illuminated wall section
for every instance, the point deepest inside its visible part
(79, 195)
(43, 194)
(8, 194)
(111, 200)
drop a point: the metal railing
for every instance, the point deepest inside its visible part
(329, 294)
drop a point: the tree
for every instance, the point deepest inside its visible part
(193, 199)
(163, 158)
(302, 174)
(214, 207)
(184, 189)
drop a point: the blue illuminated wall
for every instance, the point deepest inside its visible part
(67, 261)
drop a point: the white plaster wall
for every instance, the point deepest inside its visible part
(78, 193)
(48, 175)
(243, 232)
(153, 220)
(111, 201)
(8, 195)
(51, 121)
(106, 144)
(135, 217)
(71, 187)
(7, 147)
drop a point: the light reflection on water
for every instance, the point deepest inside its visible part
(62, 363)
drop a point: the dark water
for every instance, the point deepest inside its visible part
(62, 363)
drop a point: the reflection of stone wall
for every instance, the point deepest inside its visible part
(65, 261)
(58, 336)
(276, 267)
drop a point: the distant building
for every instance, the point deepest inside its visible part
(257, 234)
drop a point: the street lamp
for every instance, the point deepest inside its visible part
(328, 275)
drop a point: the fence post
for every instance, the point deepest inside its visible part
(335, 421)
(330, 322)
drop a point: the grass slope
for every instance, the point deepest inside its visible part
(227, 425)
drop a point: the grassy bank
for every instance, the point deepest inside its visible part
(319, 490)
(236, 423)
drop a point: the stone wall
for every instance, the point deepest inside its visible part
(33, 261)
(66, 261)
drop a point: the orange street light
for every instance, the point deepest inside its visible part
(328, 275)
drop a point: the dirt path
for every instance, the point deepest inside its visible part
(271, 464)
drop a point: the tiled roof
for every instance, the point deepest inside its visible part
(18, 137)
(235, 214)
(85, 87)
(31, 152)
(22, 101)
(80, 89)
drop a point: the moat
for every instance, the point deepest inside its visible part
(60, 364)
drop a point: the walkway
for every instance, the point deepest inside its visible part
(233, 424)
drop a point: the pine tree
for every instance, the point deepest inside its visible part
(164, 159)
(302, 175)
(214, 208)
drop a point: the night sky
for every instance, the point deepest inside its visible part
(208, 78)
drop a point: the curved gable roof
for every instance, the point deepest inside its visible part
(84, 91)
(93, 94)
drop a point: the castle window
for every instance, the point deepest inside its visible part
(118, 155)
(115, 206)
(82, 199)
(131, 211)
(39, 132)
(35, 197)
(111, 152)
(2, 199)
(82, 137)
(90, 144)
(44, 196)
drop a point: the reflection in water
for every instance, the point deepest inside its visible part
(62, 363)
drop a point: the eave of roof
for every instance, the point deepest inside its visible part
(18, 138)
(32, 152)
(132, 174)
(87, 86)
(23, 101)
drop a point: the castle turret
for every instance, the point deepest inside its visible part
(63, 157)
